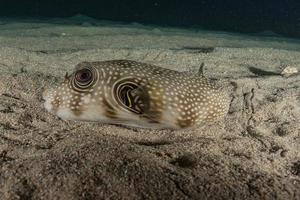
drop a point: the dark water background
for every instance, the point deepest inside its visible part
(245, 16)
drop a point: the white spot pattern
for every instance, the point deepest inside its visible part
(181, 100)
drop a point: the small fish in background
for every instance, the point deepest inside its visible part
(136, 94)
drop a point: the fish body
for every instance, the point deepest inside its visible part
(136, 94)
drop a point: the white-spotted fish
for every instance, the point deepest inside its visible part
(136, 94)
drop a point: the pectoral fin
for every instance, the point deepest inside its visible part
(133, 98)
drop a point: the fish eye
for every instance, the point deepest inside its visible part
(83, 76)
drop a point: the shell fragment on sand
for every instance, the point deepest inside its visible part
(289, 71)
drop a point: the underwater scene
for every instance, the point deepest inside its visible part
(149, 99)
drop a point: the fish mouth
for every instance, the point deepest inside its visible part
(43, 99)
(47, 101)
(44, 95)
(48, 106)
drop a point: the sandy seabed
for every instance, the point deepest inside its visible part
(254, 153)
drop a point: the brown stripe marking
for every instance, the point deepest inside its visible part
(154, 113)
(109, 111)
(183, 123)
(76, 111)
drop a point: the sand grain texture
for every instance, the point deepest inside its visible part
(252, 154)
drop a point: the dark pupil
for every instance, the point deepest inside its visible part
(83, 75)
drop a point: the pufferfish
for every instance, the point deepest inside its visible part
(136, 94)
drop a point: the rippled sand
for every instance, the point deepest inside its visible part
(254, 153)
